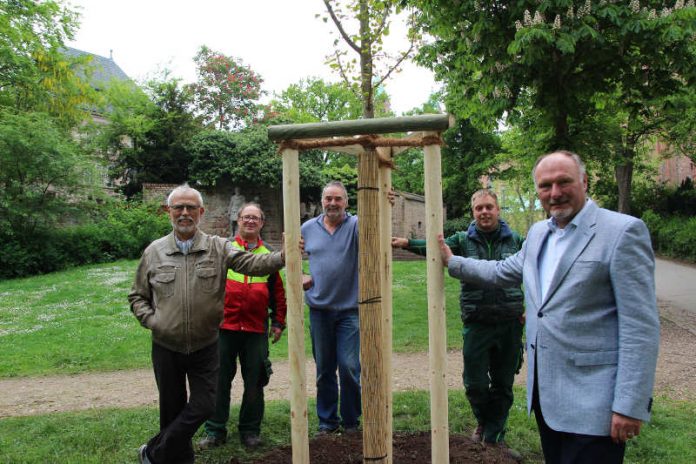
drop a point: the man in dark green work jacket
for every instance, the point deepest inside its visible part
(493, 319)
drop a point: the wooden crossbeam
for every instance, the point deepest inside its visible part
(424, 122)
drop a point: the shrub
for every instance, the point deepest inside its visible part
(115, 231)
(673, 236)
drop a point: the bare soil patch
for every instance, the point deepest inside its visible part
(407, 449)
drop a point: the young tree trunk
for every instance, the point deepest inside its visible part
(366, 71)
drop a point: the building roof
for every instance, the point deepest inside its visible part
(103, 69)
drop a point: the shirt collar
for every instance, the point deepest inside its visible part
(553, 224)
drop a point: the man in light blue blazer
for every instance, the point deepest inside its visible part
(592, 319)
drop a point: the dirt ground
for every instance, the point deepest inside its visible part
(407, 449)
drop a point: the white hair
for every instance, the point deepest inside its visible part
(185, 188)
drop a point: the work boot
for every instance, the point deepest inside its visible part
(211, 441)
(251, 440)
(324, 431)
(477, 436)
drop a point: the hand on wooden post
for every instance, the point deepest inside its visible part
(282, 247)
(399, 242)
(445, 251)
(307, 282)
(391, 196)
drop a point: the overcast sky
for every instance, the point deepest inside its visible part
(279, 39)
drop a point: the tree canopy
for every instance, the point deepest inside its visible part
(148, 131)
(41, 166)
(243, 157)
(226, 91)
(572, 63)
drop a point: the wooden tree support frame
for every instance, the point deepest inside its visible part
(375, 154)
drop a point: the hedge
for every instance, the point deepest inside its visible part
(119, 231)
(673, 236)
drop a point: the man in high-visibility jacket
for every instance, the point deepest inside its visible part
(249, 304)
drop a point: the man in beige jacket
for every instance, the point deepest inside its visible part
(178, 294)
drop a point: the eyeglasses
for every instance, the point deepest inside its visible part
(251, 218)
(180, 208)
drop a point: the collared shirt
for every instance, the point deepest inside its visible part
(554, 248)
(184, 245)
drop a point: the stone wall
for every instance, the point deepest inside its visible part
(408, 213)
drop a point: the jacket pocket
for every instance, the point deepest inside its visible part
(163, 283)
(206, 278)
(596, 358)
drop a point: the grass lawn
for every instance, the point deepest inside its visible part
(79, 320)
(113, 435)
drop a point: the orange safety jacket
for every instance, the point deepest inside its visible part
(249, 299)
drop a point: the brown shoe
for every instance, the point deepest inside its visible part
(477, 436)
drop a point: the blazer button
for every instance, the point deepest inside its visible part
(540, 314)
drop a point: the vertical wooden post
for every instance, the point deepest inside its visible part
(385, 220)
(295, 313)
(436, 307)
(371, 332)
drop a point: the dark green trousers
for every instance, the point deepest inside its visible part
(252, 351)
(492, 357)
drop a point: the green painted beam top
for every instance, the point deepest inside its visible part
(425, 122)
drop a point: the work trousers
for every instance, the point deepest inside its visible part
(492, 357)
(252, 350)
(180, 417)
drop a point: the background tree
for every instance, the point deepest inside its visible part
(570, 61)
(42, 172)
(34, 74)
(226, 91)
(315, 100)
(148, 130)
(243, 157)
(374, 64)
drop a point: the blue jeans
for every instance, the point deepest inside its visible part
(336, 345)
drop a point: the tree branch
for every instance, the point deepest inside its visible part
(339, 26)
(382, 23)
(396, 65)
(342, 71)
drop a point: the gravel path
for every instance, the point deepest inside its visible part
(676, 377)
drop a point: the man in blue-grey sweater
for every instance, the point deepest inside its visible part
(331, 242)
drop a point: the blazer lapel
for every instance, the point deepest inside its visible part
(584, 233)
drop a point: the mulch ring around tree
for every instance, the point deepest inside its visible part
(407, 449)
